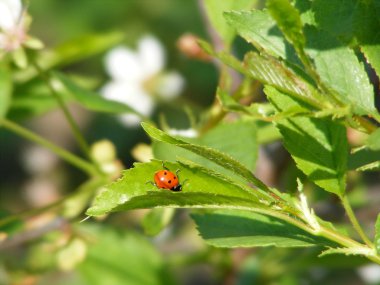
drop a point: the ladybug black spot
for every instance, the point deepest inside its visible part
(165, 173)
(170, 182)
(175, 177)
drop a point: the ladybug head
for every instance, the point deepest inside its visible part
(176, 188)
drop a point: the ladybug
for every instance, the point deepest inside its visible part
(165, 179)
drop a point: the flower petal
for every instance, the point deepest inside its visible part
(130, 94)
(170, 85)
(10, 13)
(152, 55)
(124, 64)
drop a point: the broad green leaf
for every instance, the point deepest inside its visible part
(318, 146)
(340, 70)
(156, 220)
(373, 141)
(118, 256)
(226, 138)
(377, 235)
(201, 188)
(92, 100)
(5, 90)
(367, 23)
(288, 20)
(336, 17)
(271, 71)
(232, 228)
(259, 29)
(215, 9)
(215, 156)
(71, 52)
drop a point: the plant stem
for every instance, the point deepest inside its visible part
(76, 131)
(351, 215)
(64, 154)
(91, 184)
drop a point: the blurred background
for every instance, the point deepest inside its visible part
(117, 249)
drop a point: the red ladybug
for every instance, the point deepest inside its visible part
(166, 179)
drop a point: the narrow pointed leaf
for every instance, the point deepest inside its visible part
(377, 235)
(272, 72)
(5, 90)
(92, 100)
(216, 156)
(289, 21)
(202, 188)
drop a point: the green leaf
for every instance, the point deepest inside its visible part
(272, 72)
(215, 9)
(289, 21)
(71, 52)
(130, 259)
(340, 70)
(156, 220)
(336, 17)
(202, 188)
(377, 235)
(92, 100)
(223, 138)
(259, 29)
(318, 146)
(364, 251)
(232, 228)
(5, 90)
(215, 156)
(367, 22)
(373, 141)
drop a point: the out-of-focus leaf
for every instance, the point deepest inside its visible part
(5, 90)
(213, 155)
(231, 228)
(203, 188)
(377, 235)
(215, 10)
(71, 52)
(373, 141)
(318, 146)
(122, 257)
(91, 100)
(156, 220)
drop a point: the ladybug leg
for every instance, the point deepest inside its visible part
(184, 181)
(151, 182)
(177, 171)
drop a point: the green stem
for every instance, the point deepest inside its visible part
(91, 184)
(64, 154)
(355, 223)
(76, 131)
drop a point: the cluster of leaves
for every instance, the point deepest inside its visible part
(317, 86)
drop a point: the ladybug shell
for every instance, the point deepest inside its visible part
(166, 179)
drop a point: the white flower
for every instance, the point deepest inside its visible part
(137, 76)
(12, 25)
